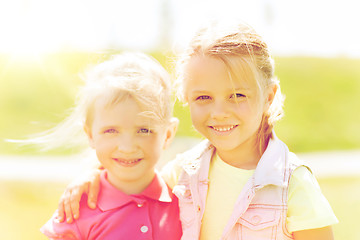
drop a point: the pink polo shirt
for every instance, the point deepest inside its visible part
(153, 214)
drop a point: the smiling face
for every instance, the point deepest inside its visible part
(127, 144)
(225, 111)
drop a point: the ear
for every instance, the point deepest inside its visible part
(171, 132)
(87, 130)
(270, 95)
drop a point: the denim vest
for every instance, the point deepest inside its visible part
(260, 210)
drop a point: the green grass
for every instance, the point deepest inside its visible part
(26, 206)
(321, 108)
(322, 103)
(345, 200)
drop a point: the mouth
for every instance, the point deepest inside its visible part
(223, 129)
(127, 163)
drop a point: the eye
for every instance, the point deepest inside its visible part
(145, 131)
(237, 95)
(110, 131)
(203, 97)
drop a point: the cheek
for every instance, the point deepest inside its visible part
(244, 110)
(104, 143)
(248, 110)
(103, 150)
(254, 117)
(197, 113)
(152, 145)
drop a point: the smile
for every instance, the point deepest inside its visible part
(127, 163)
(223, 128)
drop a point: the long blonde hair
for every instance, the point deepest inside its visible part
(242, 49)
(134, 75)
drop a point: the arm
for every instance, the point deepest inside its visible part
(69, 202)
(309, 213)
(325, 233)
(60, 231)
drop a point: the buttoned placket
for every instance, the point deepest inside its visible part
(145, 227)
(199, 185)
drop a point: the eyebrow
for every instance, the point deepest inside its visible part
(199, 91)
(229, 90)
(239, 89)
(245, 91)
(107, 127)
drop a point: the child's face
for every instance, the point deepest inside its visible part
(127, 144)
(226, 112)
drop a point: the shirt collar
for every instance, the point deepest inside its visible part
(198, 156)
(271, 167)
(111, 197)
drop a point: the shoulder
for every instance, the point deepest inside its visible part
(54, 229)
(307, 206)
(84, 209)
(295, 160)
(173, 169)
(187, 156)
(303, 178)
(301, 175)
(194, 153)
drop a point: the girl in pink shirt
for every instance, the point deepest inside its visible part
(242, 182)
(125, 110)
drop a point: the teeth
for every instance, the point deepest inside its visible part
(132, 161)
(128, 162)
(223, 129)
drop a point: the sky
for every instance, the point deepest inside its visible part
(307, 27)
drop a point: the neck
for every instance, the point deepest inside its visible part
(245, 156)
(131, 186)
(243, 161)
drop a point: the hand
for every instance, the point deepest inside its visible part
(69, 202)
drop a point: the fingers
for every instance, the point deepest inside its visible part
(68, 211)
(64, 208)
(74, 203)
(68, 207)
(69, 203)
(93, 190)
(61, 210)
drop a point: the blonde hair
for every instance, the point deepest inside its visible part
(244, 53)
(133, 75)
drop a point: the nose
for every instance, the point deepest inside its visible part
(126, 144)
(219, 110)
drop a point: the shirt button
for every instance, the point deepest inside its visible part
(140, 205)
(144, 229)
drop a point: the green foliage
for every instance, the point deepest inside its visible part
(321, 107)
(322, 103)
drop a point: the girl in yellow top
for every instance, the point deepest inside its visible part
(242, 182)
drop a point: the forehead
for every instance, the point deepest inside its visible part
(200, 66)
(126, 111)
(211, 72)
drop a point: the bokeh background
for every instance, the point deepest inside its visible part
(45, 45)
